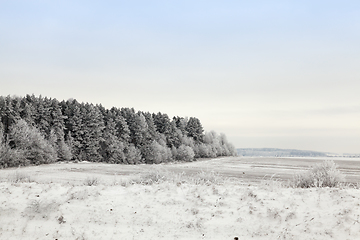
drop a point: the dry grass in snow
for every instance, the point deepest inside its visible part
(164, 205)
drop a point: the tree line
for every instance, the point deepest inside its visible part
(39, 130)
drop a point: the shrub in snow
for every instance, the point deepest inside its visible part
(324, 174)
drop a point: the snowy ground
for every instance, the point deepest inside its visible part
(248, 170)
(161, 202)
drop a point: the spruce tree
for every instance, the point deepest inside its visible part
(93, 127)
(76, 127)
(8, 115)
(181, 123)
(112, 148)
(194, 129)
(153, 134)
(43, 116)
(57, 133)
(28, 111)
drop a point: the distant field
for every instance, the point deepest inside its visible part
(248, 170)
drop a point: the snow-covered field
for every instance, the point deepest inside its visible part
(164, 202)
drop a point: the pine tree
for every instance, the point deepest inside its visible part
(194, 129)
(122, 129)
(153, 134)
(8, 115)
(162, 123)
(93, 127)
(76, 131)
(138, 127)
(169, 129)
(181, 124)
(174, 136)
(28, 111)
(112, 149)
(57, 133)
(129, 115)
(43, 116)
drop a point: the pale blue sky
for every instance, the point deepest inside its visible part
(280, 74)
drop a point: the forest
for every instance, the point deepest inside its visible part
(40, 130)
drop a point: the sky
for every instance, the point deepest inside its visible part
(282, 74)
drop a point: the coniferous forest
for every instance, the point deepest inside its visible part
(40, 130)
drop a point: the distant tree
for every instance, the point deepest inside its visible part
(188, 141)
(33, 146)
(174, 153)
(135, 131)
(162, 123)
(67, 112)
(2, 139)
(76, 132)
(3, 149)
(185, 153)
(181, 124)
(102, 110)
(122, 128)
(16, 105)
(43, 116)
(156, 153)
(174, 136)
(194, 129)
(141, 130)
(28, 111)
(168, 128)
(57, 134)
(206, 151)
(8, 115)
(212, 139)
(133, 155)
(229, 149)
(93, 127)
(153, 134)
(9, 157)
(112, 149)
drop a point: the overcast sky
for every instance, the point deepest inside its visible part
(282, 74)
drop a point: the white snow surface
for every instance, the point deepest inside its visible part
(172, 208)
